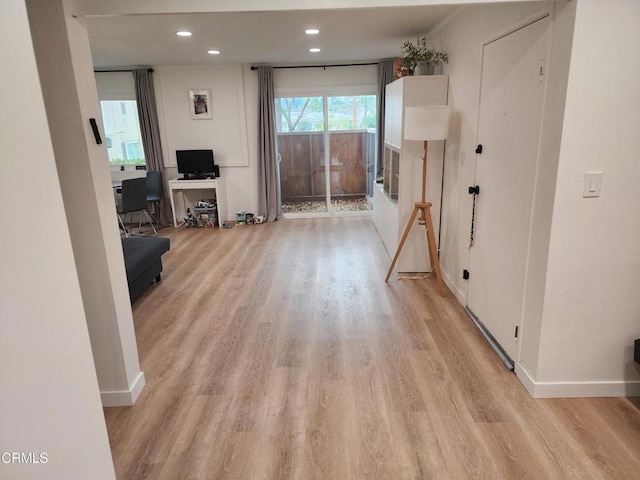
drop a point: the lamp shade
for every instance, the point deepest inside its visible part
(427, 123)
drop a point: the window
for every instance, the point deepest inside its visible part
(122, 132)
(353, 112)
(315, 131)
(133, 150)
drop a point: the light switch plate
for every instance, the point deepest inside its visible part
(592, 184)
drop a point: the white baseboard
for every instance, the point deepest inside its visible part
(454, 288)
(525, 378)
(124, 398)
(576, 389)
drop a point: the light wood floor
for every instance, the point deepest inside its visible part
(276, 351)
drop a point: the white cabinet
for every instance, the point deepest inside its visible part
(393, 202)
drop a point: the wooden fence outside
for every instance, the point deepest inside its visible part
(302, 163)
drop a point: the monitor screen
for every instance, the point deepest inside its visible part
(198, 162)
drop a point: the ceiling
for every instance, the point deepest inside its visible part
(274, 37)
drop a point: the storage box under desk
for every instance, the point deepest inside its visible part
(206, 217)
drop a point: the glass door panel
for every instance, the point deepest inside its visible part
(391, 174)
(352, 130)
(312, 132)
(300, 144)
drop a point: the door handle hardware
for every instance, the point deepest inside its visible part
(473, 190)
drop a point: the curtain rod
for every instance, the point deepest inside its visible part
(322, 66)
(150, 70)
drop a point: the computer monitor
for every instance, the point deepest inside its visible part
(196, 163)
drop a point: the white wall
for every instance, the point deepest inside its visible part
(70, 97)
(462, 37)
(545, 185)
(48, 388)
(232, 134)
(592, 307)
(227, 133)
(581, 305)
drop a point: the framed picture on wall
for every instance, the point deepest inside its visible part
(200, 107)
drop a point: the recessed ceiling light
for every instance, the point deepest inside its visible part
(312, 31)
(213, 52)
(183, 33)
(314, 50)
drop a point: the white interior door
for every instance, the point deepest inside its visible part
(511, 99)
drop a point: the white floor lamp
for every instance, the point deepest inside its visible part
(424, 123)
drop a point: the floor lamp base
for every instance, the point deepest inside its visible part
(424, 208)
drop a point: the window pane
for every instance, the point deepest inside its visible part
(300, 146)
(354, 112)
(351, 123)
(299, 114)
(122, 132)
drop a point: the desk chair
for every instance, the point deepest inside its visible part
(134, 199)
(155, 191)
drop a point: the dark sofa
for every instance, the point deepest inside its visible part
(143, 262)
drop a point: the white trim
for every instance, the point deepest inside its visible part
(525, 378)
(586, 389)
(576, 389)
(124, 398)
(243, 122)
(162, 123)
(100, 7)
(444, 22)
(454, 288)
(546, 11)
(541, 14)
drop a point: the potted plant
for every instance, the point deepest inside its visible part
(420, 58)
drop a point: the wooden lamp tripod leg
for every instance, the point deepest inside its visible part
(414, 214)
(424, 208)
(433, 249)
(425, 213)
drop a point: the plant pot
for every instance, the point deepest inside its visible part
(436, 68)
(400, 69)
(422, 68)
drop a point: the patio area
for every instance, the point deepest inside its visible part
(362, 203)
(303, 173)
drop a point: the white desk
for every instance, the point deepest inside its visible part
(209, 184)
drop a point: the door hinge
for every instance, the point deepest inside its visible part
(516, 333)
(479, 149)
(465, 274)
(541, 69)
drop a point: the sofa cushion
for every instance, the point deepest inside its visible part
(141, 252)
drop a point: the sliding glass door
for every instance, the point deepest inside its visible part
(352, 131)
(326, 151)
(300, 133)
